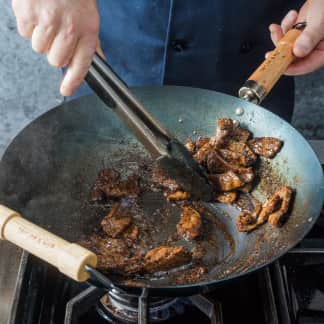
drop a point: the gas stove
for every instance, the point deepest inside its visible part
(289, 291)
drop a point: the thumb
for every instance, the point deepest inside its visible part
(314, 31)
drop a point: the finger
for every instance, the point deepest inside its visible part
(311, 63)
(99, 50)
(289, 20)
(276, 33)
(314, 30)
(79, 65)
(25, 27)
(42, 38)
(267, 54)
(62, 48)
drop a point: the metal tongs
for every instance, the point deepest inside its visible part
(169, 154)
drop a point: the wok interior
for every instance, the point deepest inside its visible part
(49, 169)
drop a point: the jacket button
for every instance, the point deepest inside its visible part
(246, 47)
(179, 45)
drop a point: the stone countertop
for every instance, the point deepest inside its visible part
(29, 87)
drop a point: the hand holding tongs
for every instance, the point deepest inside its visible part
(168, 152)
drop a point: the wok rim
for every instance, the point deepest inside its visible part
(200, 286)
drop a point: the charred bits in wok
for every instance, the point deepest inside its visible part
(229, 157)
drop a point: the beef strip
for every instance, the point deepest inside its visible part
(117, 220)
(226, 197)
(161, 181)
(265, 146)
(216, 164)
(248, 220)
(224, 131)
(178, 195)
(110, 185)
(164, 258)
(189, 224)
(202, 153)
(244, 155)
(190, 145)
(114, 255)
(131, 233)
(201, 141)
(227, 181)
(277, 206)
(240, 134)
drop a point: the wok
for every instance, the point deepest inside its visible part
(48, 170)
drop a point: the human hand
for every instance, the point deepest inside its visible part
(309, 46)
(66, 30)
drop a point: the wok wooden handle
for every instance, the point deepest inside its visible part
(68, 257)
(260, 83)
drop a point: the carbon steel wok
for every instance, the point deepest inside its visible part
(48, 170)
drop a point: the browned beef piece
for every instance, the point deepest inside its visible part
(223, 134)
(178, 195)
(189, 224)
(117, 220)
(202, 153)
(244, 155)
(131, 233)
(240, 134)
(227, 181)
(245, 174)
(190, 146)
(265, 146)
(277, 206)
(246, 188)
(164, 258)
(248, 219)
(201, 141)
(113, 255)
(227, 197)
(191, 275)
(104, 177)
(216, 164)
(246, 222)
(110, 185)
(160, 180)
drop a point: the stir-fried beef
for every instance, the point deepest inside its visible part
(223, 134)
(189, 224)
(227, 181)
(226, 197)
(164, 258)
(240, 134)
(178, 195)
(228, 158)
(190, 146)
(248, 219)
(160, 180)
(246, 155)
(277, 206)
(117, 221)
(265, 146)
(113, 255)
(110, 185)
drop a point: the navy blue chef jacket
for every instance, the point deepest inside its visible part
(212, 44)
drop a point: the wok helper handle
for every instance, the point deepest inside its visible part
(68, 257)
(260, 83)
